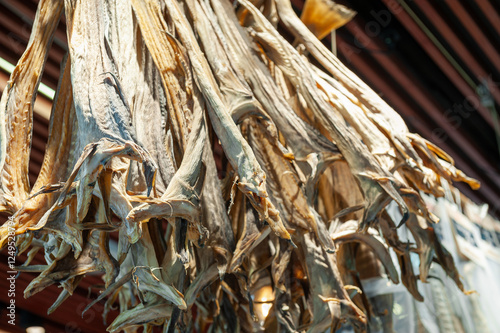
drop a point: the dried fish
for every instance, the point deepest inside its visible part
(376, 183)
(283, 185)
(302, 138)
(348, 233)
(154, 98)
(16, 117)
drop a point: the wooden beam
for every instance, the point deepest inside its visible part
(438, 57)
(490, 12)
(458, 46)
(476, 32)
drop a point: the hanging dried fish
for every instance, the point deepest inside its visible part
(148, 92)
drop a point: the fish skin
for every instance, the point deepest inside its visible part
(424, 246)
(280, 264)
(182, 196)
(408, 277)
(301, 137)
(65, 293)
(251, 235)
(101, 108)
(376, 109)
(95, 257)
(252, 178)
(143, 262)
(445, 259)
(348, 233)
(376, 183)
(61, 143)
(104, 126)
(16, 108)
(381, 112)
(325, 286)
(284, 187)
(215, 219)
(241, 157)
(379, 145)
(141, 314)
(170, 60)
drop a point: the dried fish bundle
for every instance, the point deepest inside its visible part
(147, 89)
